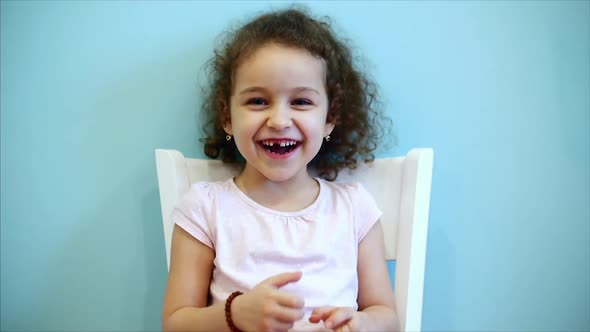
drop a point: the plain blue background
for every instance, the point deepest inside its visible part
(500, 90)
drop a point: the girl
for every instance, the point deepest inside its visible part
(276, 249)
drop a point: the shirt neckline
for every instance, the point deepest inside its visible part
(234, 187)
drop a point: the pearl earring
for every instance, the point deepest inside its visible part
(327, 138)
(228, 137)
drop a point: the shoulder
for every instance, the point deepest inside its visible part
(202, 196)
(353, 190)
(362, 205)
(206, 191)
(195, 212)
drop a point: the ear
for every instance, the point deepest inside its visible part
(227, 128)
(328, 128)
(226, 119)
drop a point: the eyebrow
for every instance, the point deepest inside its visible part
(259, 88)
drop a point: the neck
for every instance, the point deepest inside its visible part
(290, 195)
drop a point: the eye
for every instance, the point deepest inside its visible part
(301, 102)
(256, 101)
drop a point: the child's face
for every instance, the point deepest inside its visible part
(278, 111)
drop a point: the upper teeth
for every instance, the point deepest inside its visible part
(281, 143)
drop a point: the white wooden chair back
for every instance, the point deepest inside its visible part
(400, 186)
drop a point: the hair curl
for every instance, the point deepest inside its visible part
(353, 100)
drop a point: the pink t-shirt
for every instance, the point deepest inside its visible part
(252, 242)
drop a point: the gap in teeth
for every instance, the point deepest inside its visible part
(281, 144)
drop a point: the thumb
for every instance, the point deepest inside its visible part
(282, 279)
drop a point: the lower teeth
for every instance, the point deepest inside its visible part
(279, 150)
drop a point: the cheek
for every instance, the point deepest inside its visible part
(314, 138)
(232, 113)
(243, 127)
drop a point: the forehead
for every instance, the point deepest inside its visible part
(276, 66)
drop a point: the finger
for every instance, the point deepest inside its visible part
(353, 324)
(321, 313)
(348, 327)
(282, 279)
(345, 328)
(339, 317)
(288, 315)
(289, 300)
(281, 326)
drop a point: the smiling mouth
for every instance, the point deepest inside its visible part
(279, 147)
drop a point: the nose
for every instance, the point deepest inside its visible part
(279, 117)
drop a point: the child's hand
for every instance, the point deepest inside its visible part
(266, 307)
(340, 319)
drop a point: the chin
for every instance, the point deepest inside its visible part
(277, 175)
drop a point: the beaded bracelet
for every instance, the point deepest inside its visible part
(228, 319)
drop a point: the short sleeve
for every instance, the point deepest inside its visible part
(192, 213)
(365, 210)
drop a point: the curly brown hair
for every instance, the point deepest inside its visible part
(353, 103)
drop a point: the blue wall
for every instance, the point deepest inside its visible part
(500, 90)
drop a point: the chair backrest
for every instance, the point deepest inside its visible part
(400, 186)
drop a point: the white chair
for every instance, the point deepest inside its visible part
(401, 187)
